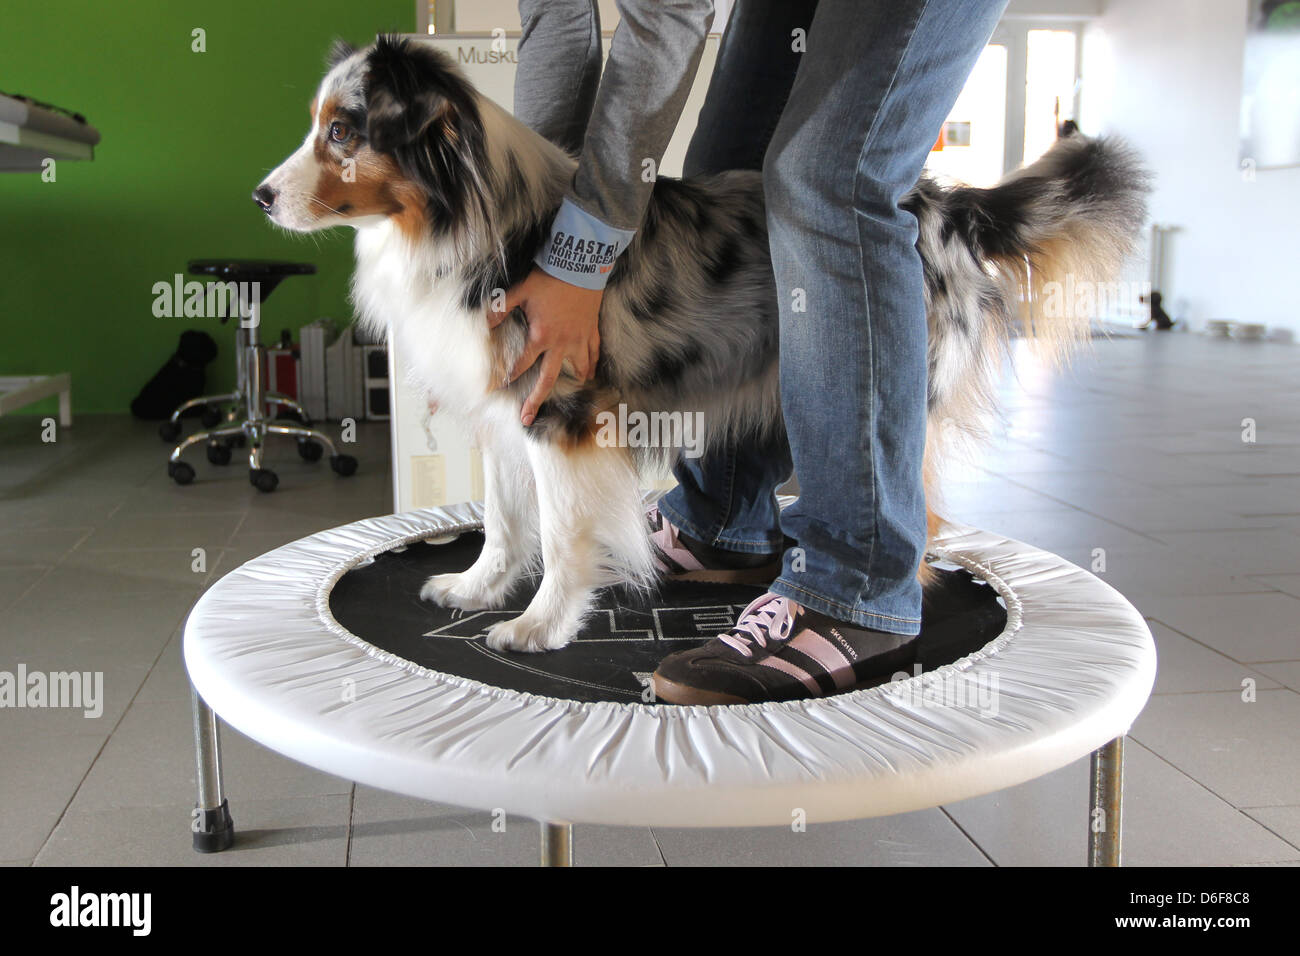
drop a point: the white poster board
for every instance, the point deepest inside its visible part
(433, 462)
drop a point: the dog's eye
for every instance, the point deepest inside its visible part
(340, 133)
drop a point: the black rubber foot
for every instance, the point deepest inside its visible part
(216, 831)
(310, 450)
(180, 472)
(344, 464)
(218, 453)
(263, 479)
(211, 417)
(169, 430)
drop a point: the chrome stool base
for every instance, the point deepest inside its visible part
(246, 421)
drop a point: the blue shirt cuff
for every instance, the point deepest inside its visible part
(581, 249)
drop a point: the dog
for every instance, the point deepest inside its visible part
(451, 198)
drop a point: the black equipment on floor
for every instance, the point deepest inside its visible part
(180, 379)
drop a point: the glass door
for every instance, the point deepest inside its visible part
(972, 144)
(1023, 88)
(1051, 86)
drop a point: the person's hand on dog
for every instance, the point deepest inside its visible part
(563, 323)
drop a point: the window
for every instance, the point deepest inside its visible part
(1024, 85)
(972, 144)
(1051, 79)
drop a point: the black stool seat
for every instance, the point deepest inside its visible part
(250, 268)
(268, 273)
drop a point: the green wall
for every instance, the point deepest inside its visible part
(186, 138)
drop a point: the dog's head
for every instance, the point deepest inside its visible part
(396, 134)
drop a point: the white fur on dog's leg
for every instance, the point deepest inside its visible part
(463, 590)
(510, 535)
(592, 529)
(527, 635)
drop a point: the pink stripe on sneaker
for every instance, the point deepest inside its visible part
(665, 539)
(787, 668)
(679, 554)
(827, 655)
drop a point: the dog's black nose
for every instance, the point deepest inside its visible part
(264, 196)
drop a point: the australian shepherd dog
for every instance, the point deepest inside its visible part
(451, 198)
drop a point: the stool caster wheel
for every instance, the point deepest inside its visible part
(293, 415)
(211, 417)
(169, 430)
(310, 450)
(218, 453)
(180, 472)
(263, 479)
(344, 464)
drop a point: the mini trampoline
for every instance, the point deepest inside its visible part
(321, 650)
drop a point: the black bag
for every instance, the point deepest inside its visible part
(181, 379)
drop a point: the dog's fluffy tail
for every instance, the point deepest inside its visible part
(1002, 262)
(993, 255)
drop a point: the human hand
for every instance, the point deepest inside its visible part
(563, 323)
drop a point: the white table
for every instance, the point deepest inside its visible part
(30, 135)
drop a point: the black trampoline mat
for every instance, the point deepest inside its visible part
(623, 640)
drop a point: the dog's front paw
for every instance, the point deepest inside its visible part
(458, 591)
(526, 635)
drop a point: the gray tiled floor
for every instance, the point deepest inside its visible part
(1136, 451)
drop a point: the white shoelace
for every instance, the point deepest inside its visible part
(767, 618)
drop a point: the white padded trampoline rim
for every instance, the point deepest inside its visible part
(264, 651)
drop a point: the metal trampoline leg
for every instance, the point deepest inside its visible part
(557, 844)
(213, 829)
(1106, 804)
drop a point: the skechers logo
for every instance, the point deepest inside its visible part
(845, 646)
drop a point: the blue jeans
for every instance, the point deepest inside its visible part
(865, 104)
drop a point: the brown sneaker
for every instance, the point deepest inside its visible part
(780, 651)
(680, 557)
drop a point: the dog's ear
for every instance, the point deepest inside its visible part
(424, 114)
(407, 93)
(340, 50)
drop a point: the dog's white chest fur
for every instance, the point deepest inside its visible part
(440, 344)
(579, 512)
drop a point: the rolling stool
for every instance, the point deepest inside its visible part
(246, 421)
